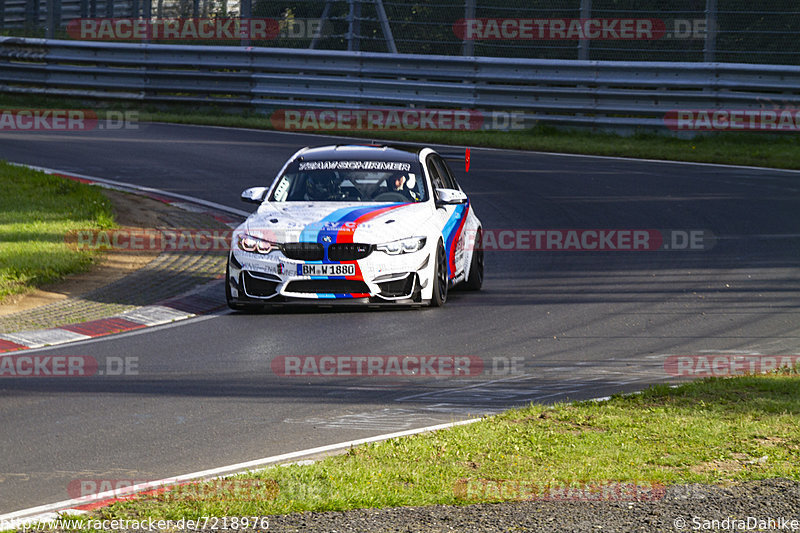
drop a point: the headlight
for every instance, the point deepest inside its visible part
(403, 246)
(248, 243)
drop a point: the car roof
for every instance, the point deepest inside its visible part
(352, 152)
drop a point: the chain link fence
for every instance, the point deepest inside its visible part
(738, 31)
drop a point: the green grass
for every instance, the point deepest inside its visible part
(36, 212)
(753, 149)
(711, 431)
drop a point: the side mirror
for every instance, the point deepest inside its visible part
(254, 195)
(450, 197)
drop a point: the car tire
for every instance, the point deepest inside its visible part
(475, 280)
(440, 281)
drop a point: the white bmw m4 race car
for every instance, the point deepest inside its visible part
(356, 224)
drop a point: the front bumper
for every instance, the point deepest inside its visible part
(380, 278)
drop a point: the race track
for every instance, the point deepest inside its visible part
(586, 323)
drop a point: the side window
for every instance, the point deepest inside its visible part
(444, 171)
(449, 172)
(436, 177)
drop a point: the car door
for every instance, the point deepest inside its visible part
(452, 217)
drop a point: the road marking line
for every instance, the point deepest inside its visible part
(49, 511)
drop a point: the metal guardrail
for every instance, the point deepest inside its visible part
(740, 31)
(606, 94)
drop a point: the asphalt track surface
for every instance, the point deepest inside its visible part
(586, 323)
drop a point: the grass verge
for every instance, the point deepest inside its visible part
(751, 149)
(36, 212)
(710, 431)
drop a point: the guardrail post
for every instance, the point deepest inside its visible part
(583, 44)
(468, 46)
(710, 47)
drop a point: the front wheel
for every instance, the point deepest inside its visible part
(440, 280)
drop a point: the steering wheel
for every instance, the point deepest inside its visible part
(391, 196)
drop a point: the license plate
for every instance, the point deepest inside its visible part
(326, 270)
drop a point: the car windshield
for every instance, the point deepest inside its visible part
(351, 181)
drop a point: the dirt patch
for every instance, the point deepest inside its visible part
(130, 211)
(773, 441)
(723, 467)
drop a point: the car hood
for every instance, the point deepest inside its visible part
(341, 221)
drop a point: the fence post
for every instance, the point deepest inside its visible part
(246, 12)
(583, 44)
(110, 9)
(710, 48)
(2, 13)
(468, 46)
(52, 19)
(325, 11)
(354, 25)
(387, 29)
(32, 13)
(147, 14)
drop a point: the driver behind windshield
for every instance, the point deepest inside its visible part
(404, 185)
(323, 186)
